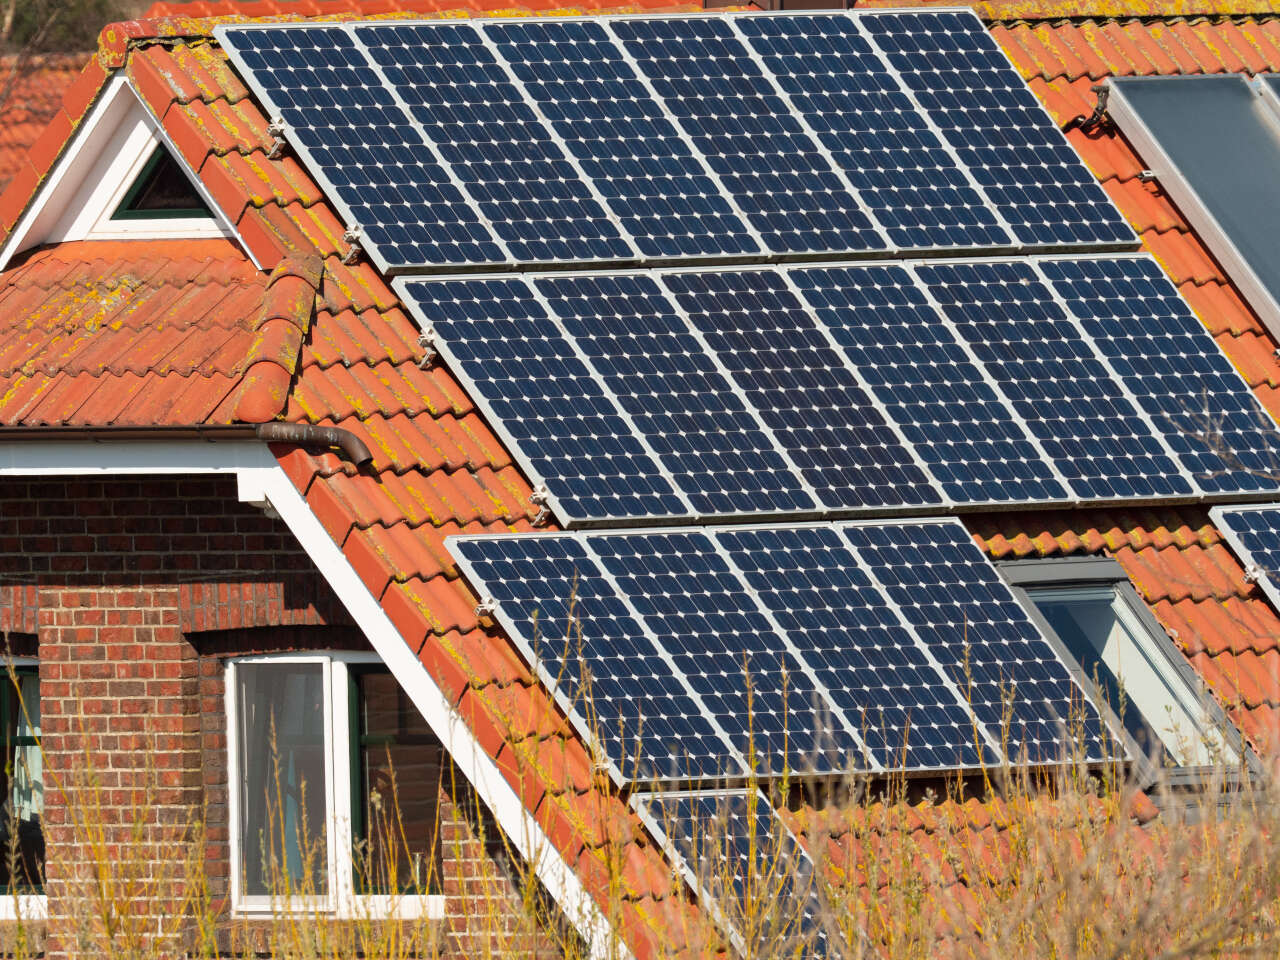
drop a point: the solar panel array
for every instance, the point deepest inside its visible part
(736, 851)
(706, 653)
(649, 139)
(835, 391)
(1254, 534)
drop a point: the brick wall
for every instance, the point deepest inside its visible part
(134, 593)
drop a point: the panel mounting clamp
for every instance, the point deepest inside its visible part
(276, 130)
(1253, 573)
(353, 238)
(486, 608)
(539, 497)
(427, 341)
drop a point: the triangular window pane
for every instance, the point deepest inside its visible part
(162, 190)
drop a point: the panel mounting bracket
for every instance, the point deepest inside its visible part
(354, 237)
(539, 497)
(276, 130)
(1085, 124)
(427, 341)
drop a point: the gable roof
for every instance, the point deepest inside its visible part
(324, 343)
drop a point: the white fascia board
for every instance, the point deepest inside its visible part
(261, 481)
(87, 183)
(52, 458)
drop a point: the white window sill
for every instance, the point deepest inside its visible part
(27, 906)
(405, 907)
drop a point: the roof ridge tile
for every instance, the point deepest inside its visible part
(272, 358)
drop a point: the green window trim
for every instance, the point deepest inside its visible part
(127, 207)
(358, 739)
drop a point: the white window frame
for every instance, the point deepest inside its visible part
(1081, 576)
(342, 901)
(27, 906)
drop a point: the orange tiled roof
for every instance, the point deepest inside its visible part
(30, 96)
(102, 332)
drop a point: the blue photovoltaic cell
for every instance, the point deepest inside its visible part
(1137, 319)
(358, 139)
(703, 615)
(571, 621)
(938, 398)
(663, 378)
(555, 410)
(1255, 535)
(870, 665)
(1053, 378)
(640, 162)
(911, 184)
(804, 391)
(740, 853)
(960, 608)
(732, 114)
(998, 129)
(500, 150)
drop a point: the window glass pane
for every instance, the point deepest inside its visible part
(1222, 140)
(23, 829)
(162, 189)
(397, 774)
(283, 785)
(1155, 704)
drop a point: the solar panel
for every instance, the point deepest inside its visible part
(736, 852)
(672, 388)
(563, 424)
(1081, 416)
(969, 90)
(1196, 399)
(1254, 535)
(867, 661)
(534, 197)
(815, 649)
(843, 391)
(802, 387)
(848, 96)
(352, 132)
(757, 690)
(732, 113)
(653, 139)
(929, 385)
(610, 675)
(963, 613)
(626, 142)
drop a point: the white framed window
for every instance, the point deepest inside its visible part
(22, 812)
(333, 789)
(1089, 607)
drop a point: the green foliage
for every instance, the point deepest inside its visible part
(48, 26)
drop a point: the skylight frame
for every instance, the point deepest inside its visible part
(1062, 573)
(1159, 162)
